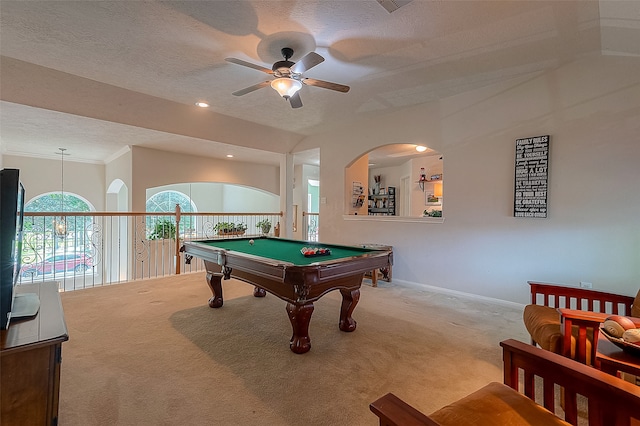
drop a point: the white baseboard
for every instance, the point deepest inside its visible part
(461, 294)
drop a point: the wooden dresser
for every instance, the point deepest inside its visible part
(30, 358)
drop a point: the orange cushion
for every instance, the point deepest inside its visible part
(543, 324)
(495, 404)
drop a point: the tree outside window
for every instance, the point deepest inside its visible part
(165, 202)
(39, 238)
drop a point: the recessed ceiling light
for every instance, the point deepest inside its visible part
(202, 104)
(229, 155)
(421, 148)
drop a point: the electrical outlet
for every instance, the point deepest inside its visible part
(585, 284)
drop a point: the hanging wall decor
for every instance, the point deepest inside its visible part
(357, 195)
(531, 177)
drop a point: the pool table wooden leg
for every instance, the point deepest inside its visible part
(349, 301)
(300, 316)
(214, 280)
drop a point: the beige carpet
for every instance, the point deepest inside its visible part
(153, 353)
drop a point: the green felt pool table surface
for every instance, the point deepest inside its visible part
(286, 250)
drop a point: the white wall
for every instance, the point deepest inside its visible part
(119, 168)
(591, 109)
(206, 196)
(212, 197)
(299, 194)
(41, 176)
(239, 199)
(152, 168)
(301, 175)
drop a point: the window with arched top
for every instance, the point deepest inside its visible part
(165, 202)
(61, 232)
(57, 202)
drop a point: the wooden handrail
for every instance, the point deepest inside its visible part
(40, 214)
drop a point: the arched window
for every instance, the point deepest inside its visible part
(52, 202)
(43, 237)
(165, 202)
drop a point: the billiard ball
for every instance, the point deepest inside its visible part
(251, 242)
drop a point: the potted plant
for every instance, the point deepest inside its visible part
(264, 225)
(230, 228)
(240, 228)
(432, 213)
(163, 229)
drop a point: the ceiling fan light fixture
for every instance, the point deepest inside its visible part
(286, 86)
(421, 148)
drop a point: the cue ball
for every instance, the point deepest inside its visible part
(251, 242)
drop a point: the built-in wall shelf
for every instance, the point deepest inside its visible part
(422, 182)
(383, 204)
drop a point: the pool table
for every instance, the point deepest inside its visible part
(277, 266)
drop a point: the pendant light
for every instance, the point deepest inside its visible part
(60, 223)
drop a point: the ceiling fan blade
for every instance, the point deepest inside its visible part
(326, 85)
(248, 64)
(295, 100)
(308, 61)
(251, 88)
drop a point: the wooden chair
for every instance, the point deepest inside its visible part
(610, 401)
(566, 320)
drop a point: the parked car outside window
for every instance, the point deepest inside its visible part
(77, 262)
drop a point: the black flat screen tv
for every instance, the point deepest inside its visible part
(11, 221)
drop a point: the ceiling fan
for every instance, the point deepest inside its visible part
(288, 76)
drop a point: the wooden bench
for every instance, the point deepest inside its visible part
(565, 320)
(610, 401)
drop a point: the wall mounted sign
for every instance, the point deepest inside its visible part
(531, 177)
(357, 195)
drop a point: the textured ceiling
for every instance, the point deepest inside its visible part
(100, 61)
